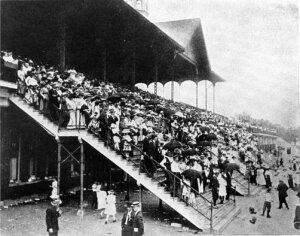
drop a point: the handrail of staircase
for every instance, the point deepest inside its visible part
(157, 163)
(77, 125)
(239, 182)
(173, 176)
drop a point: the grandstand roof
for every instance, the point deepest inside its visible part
(189, 34)
(115, 25)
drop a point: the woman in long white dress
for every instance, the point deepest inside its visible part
(222, 188)
(101, 199)
(260, 179)
(54, 190)
(110, 209)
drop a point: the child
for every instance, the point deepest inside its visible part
(267, 204)
(186, 190)
(110, 209)
(101, 199)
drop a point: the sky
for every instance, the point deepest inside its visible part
(253, 45)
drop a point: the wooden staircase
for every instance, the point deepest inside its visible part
(198, 214)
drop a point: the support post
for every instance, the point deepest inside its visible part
(127, 176)
(156, 77)
(19, 158)
(179, 96)
(248, 186)
(81, 175)
(104, 62)
(140, 196)
(172, 90)
(197, 94)
(47, 165)
(205, 94)
(160, 207)
(58, 163)
(62, 39)
(133, 68)
(214, 97)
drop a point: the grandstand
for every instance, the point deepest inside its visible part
(89, 118)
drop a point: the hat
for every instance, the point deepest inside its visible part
(126, 131)
(128, 204)
(135, 203)
(56, 202)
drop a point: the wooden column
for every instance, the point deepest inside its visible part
(81, 175)
(156, 77)
(103, 56)
(133, 68)
(19, 158)
(62, 38)
(205, 94)
(214, 97)
(197, 93)
(58, 164)
(179, 96)
(141, 195)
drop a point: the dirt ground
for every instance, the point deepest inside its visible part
(29, 220)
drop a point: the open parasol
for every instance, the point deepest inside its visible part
(232, 166)
(179, 114)
(114, 98)
(192, 174)
(173, 144)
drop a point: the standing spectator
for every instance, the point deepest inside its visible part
(138, 222)
(127, 223)
(215, 188)
(268, 178)
(101, 199)
(54, 189)
(267, 203)
(94, 195)
(110, 209)
(228, 186)
(282, 194)
(253, 175)
(260, 179)
(52, 214)
(222, 189)
(290, 180)
(297, 217)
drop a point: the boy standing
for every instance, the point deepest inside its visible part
(267, 203)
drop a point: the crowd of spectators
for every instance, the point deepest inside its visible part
(200, 148)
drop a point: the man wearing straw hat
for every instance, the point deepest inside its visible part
(126, 223)
(52, 214)
(138, 223)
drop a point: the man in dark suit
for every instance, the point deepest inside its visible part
(228, 186)
(215, 188)
(127, 220)
(52, 214)
(282, 194)
(138, 222)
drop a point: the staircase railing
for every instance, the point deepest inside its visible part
(78, 119)
(140, 163)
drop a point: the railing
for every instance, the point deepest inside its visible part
(233, 178)
(176, 181)
(78, 119)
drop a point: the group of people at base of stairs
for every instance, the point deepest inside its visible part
(104, 201)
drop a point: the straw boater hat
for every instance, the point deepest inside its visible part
(136, 204)
(56, 202)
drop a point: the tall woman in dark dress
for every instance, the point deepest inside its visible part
(64, 116)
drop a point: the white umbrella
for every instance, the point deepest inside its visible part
(179, 114)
